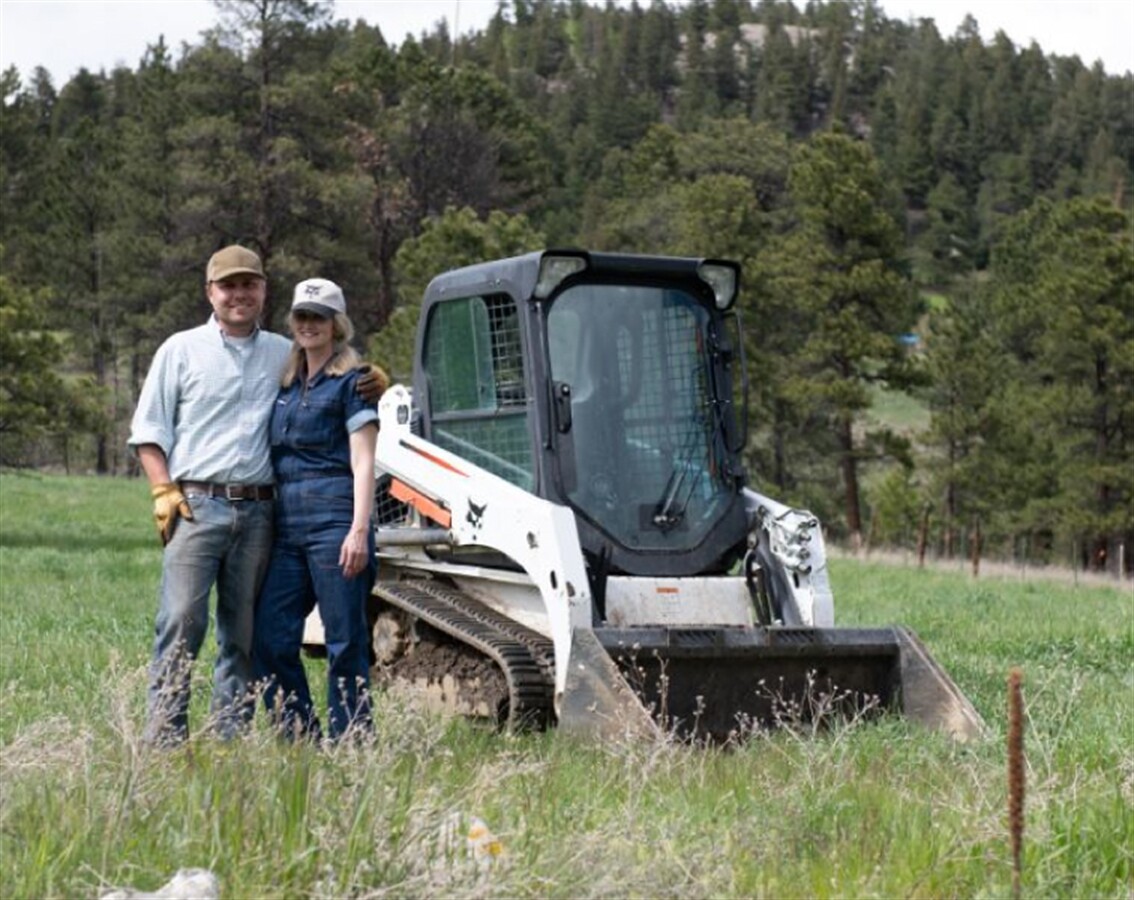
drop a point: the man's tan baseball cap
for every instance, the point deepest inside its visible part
(233, 260)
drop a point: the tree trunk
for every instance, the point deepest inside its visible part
(950, 514)
(101, 355)
(849, 462)
(923, 537)
(265, 165)
(976, 546)
(779, 457)
(1100, 543)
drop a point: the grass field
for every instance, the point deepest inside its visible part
(878, 810)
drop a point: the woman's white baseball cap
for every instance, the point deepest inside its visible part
(319, 296)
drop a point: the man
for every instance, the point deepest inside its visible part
(201, 435)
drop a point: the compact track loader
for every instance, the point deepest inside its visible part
(565, 535)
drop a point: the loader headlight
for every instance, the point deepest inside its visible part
(722, 277)
(552, 271)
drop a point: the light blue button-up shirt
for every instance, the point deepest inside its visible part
(207, 401)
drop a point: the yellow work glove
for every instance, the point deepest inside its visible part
(169, 503)
(372, 382)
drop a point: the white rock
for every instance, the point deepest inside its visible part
(187, 884)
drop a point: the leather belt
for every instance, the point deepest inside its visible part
(232, 491)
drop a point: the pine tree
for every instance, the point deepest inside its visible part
(1064, 305)
(967, 379)
(456, 238)
(839, 269)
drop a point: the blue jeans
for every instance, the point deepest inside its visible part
(227, 543)
(312, 519)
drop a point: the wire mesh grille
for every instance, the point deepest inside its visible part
(667, 423)
(388, 510)
(507, 352)
(644, 437)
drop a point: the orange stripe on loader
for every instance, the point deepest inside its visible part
(424, 505)
(436, 460)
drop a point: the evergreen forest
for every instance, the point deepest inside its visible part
(935, 230)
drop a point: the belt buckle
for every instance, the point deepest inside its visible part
(233, 492)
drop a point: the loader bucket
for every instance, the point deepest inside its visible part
(715, 683)
(597, 701)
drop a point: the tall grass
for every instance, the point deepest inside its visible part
(880, 810)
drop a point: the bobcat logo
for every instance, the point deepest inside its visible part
(475, 514)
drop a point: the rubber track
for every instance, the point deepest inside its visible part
(525, 657)
(542, 649)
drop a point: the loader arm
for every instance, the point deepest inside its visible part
(480, 509)
(788, 546)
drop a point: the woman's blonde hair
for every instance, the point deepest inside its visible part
(343, 359)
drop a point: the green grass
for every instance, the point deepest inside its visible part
(881, 810)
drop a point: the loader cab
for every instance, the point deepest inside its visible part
(604, 382)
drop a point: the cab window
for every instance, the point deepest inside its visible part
(475, 375)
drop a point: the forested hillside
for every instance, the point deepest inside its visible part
(939, 224)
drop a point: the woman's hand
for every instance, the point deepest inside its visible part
(354, 552)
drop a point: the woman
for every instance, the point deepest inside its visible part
(322, 442)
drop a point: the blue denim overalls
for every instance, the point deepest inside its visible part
(310, 441)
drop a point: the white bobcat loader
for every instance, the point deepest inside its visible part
(564, 531)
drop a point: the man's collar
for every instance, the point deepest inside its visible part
(224, 335)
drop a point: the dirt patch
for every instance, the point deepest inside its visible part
(449, 677)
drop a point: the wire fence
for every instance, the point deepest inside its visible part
(1070, 571)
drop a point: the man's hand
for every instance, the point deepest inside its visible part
(169, 503)
(372, 382)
